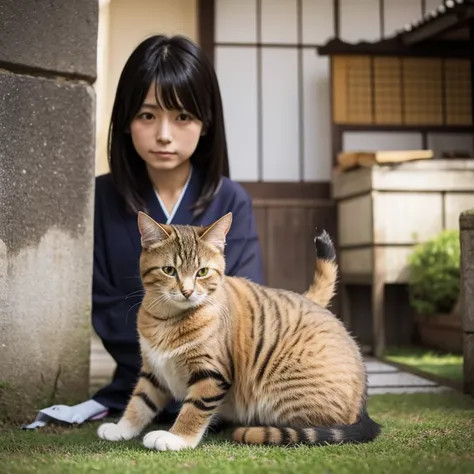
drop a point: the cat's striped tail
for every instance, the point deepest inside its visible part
(323, 287)
(363, 431)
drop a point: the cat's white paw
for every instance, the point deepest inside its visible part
(116, 431)
(164, 441)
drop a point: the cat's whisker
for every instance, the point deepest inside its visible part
(135, 294)
(131, 307)
(138, 290)
(163, 298)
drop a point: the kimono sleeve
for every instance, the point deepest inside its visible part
(110, 307)
(243, 252)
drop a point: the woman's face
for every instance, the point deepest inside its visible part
(164, 139)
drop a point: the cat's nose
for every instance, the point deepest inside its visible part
(187, 292)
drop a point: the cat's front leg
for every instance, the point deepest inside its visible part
(206, 391)
(148, 399)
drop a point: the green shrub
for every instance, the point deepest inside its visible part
(435, 274)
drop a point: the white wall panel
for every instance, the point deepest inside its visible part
(235, 21)
(450, 142)
(373, 141)
(279, 21)
(318, 21)
(236, 69)
(317, 118)
(280, 115)
(359, 20)
(398, 13)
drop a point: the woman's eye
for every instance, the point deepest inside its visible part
(171, 271)
(202, 272)
(183, 117)
(146, 116)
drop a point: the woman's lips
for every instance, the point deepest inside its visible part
(163, 154)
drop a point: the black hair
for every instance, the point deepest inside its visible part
(185, 79)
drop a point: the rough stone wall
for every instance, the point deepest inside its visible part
(47, 126)
(466, 222)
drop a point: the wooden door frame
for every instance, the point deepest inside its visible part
(258, 189)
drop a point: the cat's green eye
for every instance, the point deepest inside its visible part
(202, 272)
(170, 271)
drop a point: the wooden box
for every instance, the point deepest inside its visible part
(383, 211)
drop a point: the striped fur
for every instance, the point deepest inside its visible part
(323, 285)
(276, 364)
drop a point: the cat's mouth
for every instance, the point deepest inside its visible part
(175, 302)
(188, 302)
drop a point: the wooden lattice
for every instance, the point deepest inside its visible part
(359, 90)
(458, 92)
(422, 91)
(401, 91)
(387, 93)
(352, 89)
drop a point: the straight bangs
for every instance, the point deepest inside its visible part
(178, 88)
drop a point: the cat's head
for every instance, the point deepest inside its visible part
(181, 266)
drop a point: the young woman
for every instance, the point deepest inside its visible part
(168, 157)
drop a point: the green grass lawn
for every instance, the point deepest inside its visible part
(449, 366)
(421, 433)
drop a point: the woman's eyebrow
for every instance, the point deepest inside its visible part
(156, 107)
(150, 106)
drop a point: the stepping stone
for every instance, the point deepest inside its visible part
(383, 390)
(398, 379)
(375, 366)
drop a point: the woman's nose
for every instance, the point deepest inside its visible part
(164, 132)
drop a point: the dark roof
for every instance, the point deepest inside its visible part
(450, 21)
(444, 31)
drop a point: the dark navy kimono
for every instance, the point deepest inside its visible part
(116, 281)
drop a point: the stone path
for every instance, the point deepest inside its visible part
(383, 378)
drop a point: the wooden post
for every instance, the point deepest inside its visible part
(471, 49)
(466, 223)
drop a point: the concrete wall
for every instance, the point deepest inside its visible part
(123, 24)
(47, 124)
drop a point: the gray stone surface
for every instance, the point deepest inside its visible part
(46, 158)
(53, 35)
(400, 390)
(397, 379)
(374, 366)
(46, 221)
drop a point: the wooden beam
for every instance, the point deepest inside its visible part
(471, 48)
(395, 47)
(206, 25)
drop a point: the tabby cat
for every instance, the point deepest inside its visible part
(276, 364)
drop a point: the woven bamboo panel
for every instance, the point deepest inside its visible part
(359, 90)
(388, 90)
(339, 67)
(352, 89)
(422, 91)
(458, 91)
(401, 91)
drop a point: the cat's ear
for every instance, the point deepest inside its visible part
(215, 233)
(150, 230)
